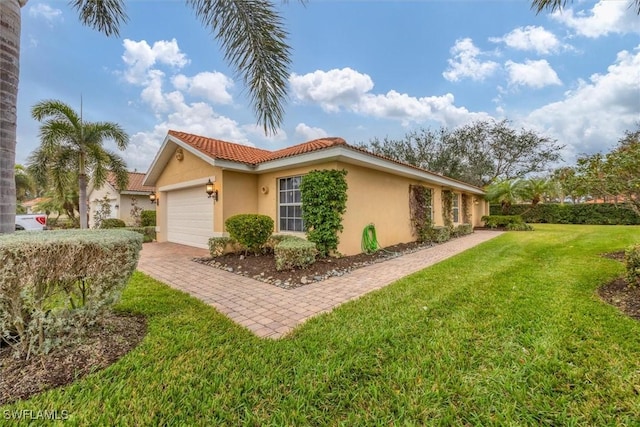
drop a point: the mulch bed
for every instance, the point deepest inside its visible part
(117, 334)
(103, 345)
(262, 267)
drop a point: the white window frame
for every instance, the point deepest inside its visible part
(289, 204)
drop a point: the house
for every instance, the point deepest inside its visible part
(253, 180)
(120, 201)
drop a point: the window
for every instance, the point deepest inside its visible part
(456, 207)
(290, 204)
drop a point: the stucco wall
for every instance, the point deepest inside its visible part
(142, 201)
(96, 195)
(179, 171)
(238, 194)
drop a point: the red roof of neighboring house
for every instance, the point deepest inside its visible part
(135, 182)
(245, 154)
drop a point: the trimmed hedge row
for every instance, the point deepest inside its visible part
(584, 213)
(148, 233)
(493, 221)
(60, 280)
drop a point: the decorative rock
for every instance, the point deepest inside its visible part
(317, 278)
(304, 280)
(230, 269)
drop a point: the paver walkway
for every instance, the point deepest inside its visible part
(270, 311)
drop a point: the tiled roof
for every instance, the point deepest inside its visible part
(224, 150)
(135, 182)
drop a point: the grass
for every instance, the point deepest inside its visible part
(508, 333)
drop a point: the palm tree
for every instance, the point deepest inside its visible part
(552, 5)
(25, 186)
(72, 147)
(506, 192)
(250, 32)
(535, 189)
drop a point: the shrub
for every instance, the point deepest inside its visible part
(324, 201)
(493, 221)
(148, 233)
(112, 223)
(519, 227)
(584, 213)
(463, 230)
(632, 263)
(439, 234)
(250, 230)
(148, 218)
(219, 246)
(274, 239)
(294, 252)
(60, 280)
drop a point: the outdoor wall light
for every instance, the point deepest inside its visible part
(211, 191)
(154, 198)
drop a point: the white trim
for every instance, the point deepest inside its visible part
(186, 184)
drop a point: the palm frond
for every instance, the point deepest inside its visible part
(254, 42)
(553, 5)
(105, 16)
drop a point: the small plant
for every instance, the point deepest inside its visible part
(135, 213)
(632, 263)
(103, 212)
(250, 230)
(463, 230)
(439, 234)
(324, 201)
(112, 223)
(219, 246)
(293, 253)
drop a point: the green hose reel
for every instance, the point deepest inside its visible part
(369, 239)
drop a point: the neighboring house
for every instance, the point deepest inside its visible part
(121, 201)
(31, 206)
(253, 180)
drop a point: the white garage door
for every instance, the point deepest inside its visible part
(189, 217)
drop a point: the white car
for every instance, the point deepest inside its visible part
(36, 222)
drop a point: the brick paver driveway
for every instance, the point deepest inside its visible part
(270, 311)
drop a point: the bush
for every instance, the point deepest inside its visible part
(519, 227)
(439, 234)
(59, 281)
(148, 218)
(294, 252)
(219, 246)
(148, 233)
(112, 223)
(632, 263)
(493, 221)
(463, 230)
(584, 213)
(250, 230)
(274, 239)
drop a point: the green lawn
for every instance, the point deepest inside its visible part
(508, 333)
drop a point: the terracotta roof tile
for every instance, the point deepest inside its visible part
(135, 182)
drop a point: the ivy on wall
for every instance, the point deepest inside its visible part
(466, 209)
(447, 208)
(420, 203)
(324, 201)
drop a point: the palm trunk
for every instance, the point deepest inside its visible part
(9, 69)
(82, 200)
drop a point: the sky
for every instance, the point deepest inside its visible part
(361, 69)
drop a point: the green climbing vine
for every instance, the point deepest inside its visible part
(420, 205)
(447, 208)
(466, 209)
(324, 201)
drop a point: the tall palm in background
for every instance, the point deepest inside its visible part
(250, 32)
(72, 149)
(25, 185)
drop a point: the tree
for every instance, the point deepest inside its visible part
(71, 147)
(553, 5)
(250, 33)
(535, 189)
(477, 153)
(25, 186)
(506, 192)
(623, 170)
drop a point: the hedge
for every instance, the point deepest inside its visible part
(439, 234)
(493, 221)
(584, 213)
(62, 280)
(294, 252)
(632, 263)
(148, 233)
(112, 223)
(148, 218)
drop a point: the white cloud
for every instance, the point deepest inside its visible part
(46, 12)
(530, 38)
(309, 133)
(211, 86)
(594, 115)
(607, 16)
(536, 74)
(465, 63)
(140, 57)
(331, 89)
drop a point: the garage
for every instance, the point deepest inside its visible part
(189, 217)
